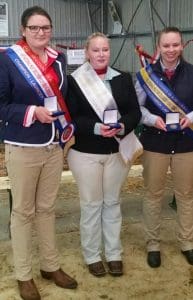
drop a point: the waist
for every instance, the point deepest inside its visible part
(49, 147)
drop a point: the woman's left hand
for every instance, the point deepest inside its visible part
(185, 122)
(107, 131)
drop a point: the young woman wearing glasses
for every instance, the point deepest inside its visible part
(32, 88)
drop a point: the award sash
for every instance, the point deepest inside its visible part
(33, 70)
(161, 96)
(100, 99)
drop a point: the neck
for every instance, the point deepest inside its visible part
(169, 66)
(41, 53)
(101, 71)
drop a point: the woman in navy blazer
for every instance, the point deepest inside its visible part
(32, 86)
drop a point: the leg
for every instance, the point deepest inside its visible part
(115, 172)
(87, 169)
(46, 193)
(172, 204)
(23, 173)
(47, 188)
(182, 170)
(154, 173)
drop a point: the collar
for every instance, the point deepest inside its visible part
(164, 68)
(111, 73)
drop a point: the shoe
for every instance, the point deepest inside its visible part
(154, 259)
(115, 267)
(28, 290)
(97, 269)
(189, 256)
(60, 278)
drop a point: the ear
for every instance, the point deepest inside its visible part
(22, 31)
(86, 55)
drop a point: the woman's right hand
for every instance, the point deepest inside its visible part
(107, 131)
(160, 124)
(43, 115)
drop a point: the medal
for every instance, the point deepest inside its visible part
(67, 133)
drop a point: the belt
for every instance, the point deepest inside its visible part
(49, 147)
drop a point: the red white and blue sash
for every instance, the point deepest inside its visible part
(35, 73)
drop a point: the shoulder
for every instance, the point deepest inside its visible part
(156, 66)
(122, 73)
(187, 65)
(72, 82)
(5, 62)
(122, 76)
(3, 56)
(61, 57)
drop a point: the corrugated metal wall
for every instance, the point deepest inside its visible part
(71, 19)
(139, 31)
(74, 20)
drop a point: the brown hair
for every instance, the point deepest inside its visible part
(31, 11)
(167, 30)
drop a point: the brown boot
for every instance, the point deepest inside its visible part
(28, 290)
(60, 278)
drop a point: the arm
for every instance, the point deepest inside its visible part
(13, 92)
(9, 111)
(125, 96)
(81, 113)
(148, 118)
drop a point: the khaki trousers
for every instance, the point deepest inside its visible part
(155, 170)
(35, 176)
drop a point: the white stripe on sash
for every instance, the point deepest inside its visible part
(94, 89)
(34, 70)
(100, 99)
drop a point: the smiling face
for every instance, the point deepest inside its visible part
(37, 40)
(170, 47)
(98, 52)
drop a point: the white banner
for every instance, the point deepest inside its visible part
(3, 19)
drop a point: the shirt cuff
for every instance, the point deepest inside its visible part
(121, 132)
(97, 129)
(29, 116)
(190, 116)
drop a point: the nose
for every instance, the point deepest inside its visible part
(171, 48)
(41, 31)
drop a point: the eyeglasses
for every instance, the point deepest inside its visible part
(36, 29)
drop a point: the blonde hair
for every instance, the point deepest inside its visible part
(93, 36)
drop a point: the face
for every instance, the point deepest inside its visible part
(170, 47)
(37, 40)
(98, 53)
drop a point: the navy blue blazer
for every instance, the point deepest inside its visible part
(15, 97)
(156, 140)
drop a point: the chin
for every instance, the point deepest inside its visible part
(102, 66)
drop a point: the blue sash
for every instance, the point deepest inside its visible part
(161, 96)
